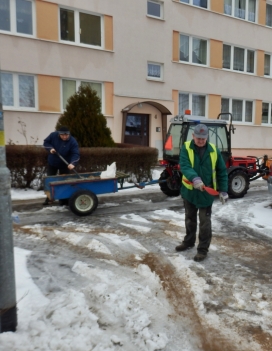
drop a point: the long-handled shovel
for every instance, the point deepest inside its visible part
(63, 159)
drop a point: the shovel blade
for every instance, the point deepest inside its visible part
(211, 191)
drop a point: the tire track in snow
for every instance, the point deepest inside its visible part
(180, 294)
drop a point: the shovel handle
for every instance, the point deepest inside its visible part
(209, 190)
(63, 159)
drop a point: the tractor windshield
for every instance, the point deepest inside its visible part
(178, 133)
(217, 135)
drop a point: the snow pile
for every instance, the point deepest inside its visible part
(111, 311)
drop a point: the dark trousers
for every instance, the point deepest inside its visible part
(205, 226)
(51, 170)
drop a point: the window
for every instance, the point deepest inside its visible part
(16, 16)
(269, 15)
(200, 3)
(18, 90)
(267, 113)
(194, 102)
(238, 59)
(267, 65)
(244, 9)
(193, 50)
(69, 87)
(250, 61)
(155, 9)
(80, 27)
(226, 56)
(155, 71)
(242, 110)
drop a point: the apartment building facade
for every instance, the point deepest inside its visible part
(148, 60)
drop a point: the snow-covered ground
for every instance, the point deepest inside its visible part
(121, 309)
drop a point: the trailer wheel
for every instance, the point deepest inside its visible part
(83, 202)
(172, 185)
(238, 184)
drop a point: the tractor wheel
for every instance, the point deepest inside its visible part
(83, 202)
(238, 184)
(171, 187)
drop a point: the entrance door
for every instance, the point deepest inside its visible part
(137, 129)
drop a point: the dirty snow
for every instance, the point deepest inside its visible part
(121, 312)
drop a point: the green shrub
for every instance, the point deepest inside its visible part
(84, 118)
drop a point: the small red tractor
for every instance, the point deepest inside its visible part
(241, 170)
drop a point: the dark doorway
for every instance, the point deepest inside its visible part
(137, 129)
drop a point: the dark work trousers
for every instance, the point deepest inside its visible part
(205, 226)
(51, 170)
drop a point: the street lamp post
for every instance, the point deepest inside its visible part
(8, 310)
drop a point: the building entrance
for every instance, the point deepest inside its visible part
(137, 129)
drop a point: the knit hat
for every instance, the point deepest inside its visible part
(63, 130)
(201, 131)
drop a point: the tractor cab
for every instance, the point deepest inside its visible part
(181, 129)
(241, 170)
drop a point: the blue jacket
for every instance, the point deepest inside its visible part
(68, 149)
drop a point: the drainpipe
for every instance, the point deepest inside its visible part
(8, 311)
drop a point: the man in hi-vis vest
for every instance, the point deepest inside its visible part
(201, 164)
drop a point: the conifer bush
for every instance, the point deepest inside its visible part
(84, 119)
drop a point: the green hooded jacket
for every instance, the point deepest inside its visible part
(203, 169)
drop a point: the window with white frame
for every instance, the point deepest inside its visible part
(241, 110)
(18, 91)
(154, 71)
(269, 14)
(267, 65)
(193, 50)
(80, 27)
(194, 102)
(267, 113)
(199, 3)
(238, 59)
(155, 9)
(16, 16)
(244, 9)
(70, 87)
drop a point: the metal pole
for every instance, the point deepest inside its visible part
(8, 310)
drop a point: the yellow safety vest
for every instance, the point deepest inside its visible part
(213, 156)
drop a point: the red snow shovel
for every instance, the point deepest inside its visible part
(209, 190)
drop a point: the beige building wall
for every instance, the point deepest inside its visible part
(175, 98)
(175, 56)
(108, 25)
(47, 20)
(214, 106)
(262, 12)
(260, 63)
(216, 54)
(49, 93)
(258, 113)
(217, 6)
(121, 64)
(109, 95)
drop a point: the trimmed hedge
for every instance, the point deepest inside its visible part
(27, 164)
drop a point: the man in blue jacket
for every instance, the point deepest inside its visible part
(63, 143)
(201, 164)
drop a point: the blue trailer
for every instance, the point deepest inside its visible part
(80, 190)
